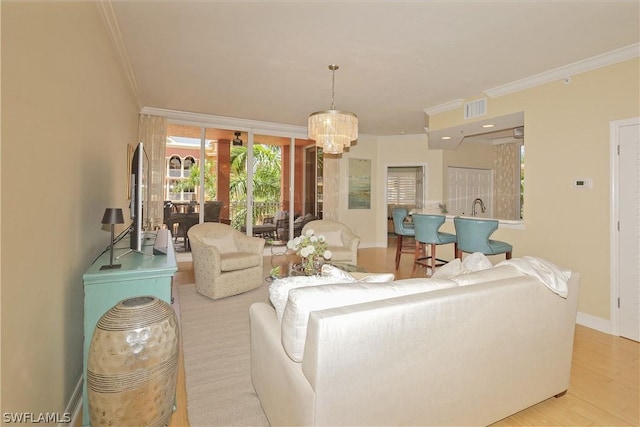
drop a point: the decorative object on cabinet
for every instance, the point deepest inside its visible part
(111, 217)
(141, 274)
(133, 364)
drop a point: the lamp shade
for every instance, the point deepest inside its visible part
(113, 216)
(333, 130)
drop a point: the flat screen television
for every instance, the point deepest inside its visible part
(139, 188)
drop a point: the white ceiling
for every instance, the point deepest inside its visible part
(267, 60)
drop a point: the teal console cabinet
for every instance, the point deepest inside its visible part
(140, 274)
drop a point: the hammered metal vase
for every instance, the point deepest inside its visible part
(132, 365)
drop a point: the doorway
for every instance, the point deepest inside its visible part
(405, 187)
(625, 228)
(253, 176)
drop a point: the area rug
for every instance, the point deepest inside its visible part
(217, 361)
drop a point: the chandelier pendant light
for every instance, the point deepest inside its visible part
(332, 130)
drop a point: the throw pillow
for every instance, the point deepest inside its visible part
(225, 244)
(449, 270)
(279, 289)
(473, 262)
(339, 275)
(476, 261)
(333, 238)
(342, 276)
(303, 301)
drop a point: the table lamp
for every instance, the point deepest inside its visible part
(112, 216)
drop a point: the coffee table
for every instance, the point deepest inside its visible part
(289, 266)
(278, 249)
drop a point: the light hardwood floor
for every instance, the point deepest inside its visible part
(604, 388)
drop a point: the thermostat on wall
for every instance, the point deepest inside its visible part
(583, 183)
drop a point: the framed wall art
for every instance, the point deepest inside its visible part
(359, 184)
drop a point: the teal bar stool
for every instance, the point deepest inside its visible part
(427, 233)
(474, 236)
(402, 230)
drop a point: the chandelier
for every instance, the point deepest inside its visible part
(332, 130)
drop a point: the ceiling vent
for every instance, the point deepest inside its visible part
(518, 133)
(475, 108)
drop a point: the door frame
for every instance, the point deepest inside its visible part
(425, 188)
(614, 254)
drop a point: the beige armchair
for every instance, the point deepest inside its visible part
(225, 261)
(341, 241)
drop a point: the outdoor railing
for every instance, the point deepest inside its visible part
(261, 210)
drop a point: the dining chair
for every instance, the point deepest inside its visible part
(474, 236)
(282, 229)
(212, 210)
(402, 230)
(427, 237)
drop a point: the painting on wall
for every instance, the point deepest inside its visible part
(359, 184)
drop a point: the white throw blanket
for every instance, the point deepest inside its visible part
(554, 277)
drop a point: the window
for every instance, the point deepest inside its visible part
(175, 167)
(189, 162)
(401, 186)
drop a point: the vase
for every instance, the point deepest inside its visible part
(132, 365)
(312, 265)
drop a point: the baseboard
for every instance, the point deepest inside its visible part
(373, 245)
(593, 322)
(74, 407)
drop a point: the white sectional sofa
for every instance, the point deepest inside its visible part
(466, 351)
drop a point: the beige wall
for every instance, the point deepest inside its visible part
(67, 117)
(567, 137)
(400, 150)
(468, 155)
(360, 221)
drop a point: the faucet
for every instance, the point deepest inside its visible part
(482, 207)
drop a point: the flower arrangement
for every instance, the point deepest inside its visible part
(310, 248)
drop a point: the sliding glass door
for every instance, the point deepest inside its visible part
(238, 177)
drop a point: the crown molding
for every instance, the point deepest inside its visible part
(564, 72)
(106, 10)
(560, 73)
(229, 123)
(447, 106)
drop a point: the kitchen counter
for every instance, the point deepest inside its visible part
(502, 223)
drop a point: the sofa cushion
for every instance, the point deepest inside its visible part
(333, 238)
(239, 261)
(225, 243)
(473, 262)
(495, 273)
(339, 253)
(303, 301)
(342, 276)
(279, 289)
